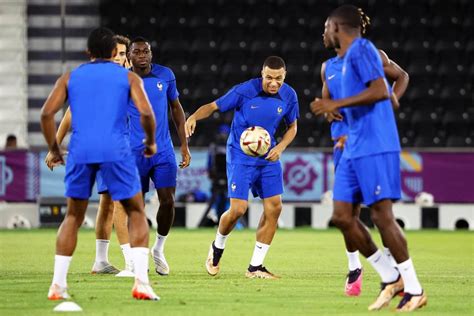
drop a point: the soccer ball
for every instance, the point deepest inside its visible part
(255, 141)
(424, 199)
(18, 221)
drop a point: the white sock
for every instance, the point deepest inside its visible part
(61, 267)
(387, 253)
(354, 261)
(219, 242)
(259, 253)
(410, 280)
(127, 255)
(102, 250)
(383, 267)
(140, 263)
(159, 245)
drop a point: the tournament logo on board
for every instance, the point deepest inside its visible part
(299, 176)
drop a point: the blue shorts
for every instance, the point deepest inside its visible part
(120, 178)
(336, 156)
(264, 181)
(368, 179)
(162, 170)
(99, 181)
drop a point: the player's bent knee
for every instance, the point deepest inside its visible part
(238, 211)
(167, 204)
(341, 221)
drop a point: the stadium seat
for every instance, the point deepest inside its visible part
(434, 47)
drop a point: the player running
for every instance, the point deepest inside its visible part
(258, 102)
(331, 72)
(160, 86)
(99, 93)
(109, 212)
(369, 170)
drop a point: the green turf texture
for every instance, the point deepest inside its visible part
(312, 264)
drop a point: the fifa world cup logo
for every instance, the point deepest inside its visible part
(6, 175)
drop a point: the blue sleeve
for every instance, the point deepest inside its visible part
(368, 64)
(231, 100)
(172, 91)
(293, 112)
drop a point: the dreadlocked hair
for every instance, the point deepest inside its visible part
(352, 17)
(364, 21)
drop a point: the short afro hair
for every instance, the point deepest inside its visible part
(274, 62)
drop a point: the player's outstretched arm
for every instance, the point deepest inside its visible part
(147, 117)
(376, 91)
(52, 105)
(179, 120)
(399, 77)
(395, 73)
(202, 113)
(63, 128)
(290, 134)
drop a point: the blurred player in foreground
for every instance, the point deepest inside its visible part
(331, 72)
(99, 93)
(258, 102)
(109, 212)
(369, 170)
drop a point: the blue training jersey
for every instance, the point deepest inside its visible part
(372, 128)
(98, 94)
(332, 75)
(160, 86)
(253, 107)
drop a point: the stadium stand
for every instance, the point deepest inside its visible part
(45, 61)
(13, 71)
(212, 45)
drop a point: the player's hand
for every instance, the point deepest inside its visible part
(341, 142)
(127, 63)
(150, 149)
(190, 126)
(274, 154)
(320, 106)
(333, 116)
(185, 157)
(53, 159)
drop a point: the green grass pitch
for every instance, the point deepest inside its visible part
(312, 265)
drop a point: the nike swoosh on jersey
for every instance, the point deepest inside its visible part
(330, 77)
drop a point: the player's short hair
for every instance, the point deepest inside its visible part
(121, 39)
(101, 43)
(139, 39)
(274, 62)
(352, 17)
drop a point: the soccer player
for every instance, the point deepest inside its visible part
(331, 72)
(99, 94)
(109, 212)
(258, 102)
(160, 86)
(369, 170)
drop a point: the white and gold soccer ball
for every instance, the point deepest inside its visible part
(255, 141)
